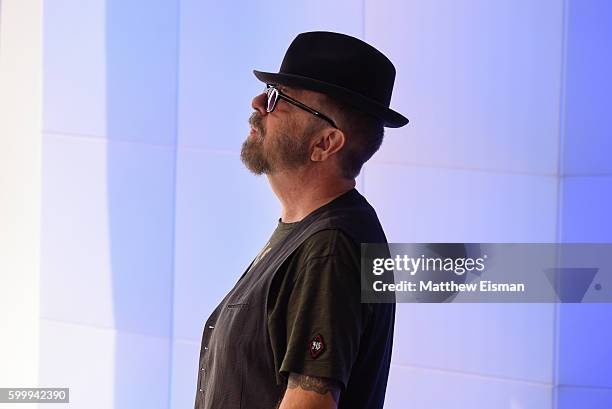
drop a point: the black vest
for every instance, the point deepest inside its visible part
(236, 362)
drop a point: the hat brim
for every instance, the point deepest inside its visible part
(390, 118)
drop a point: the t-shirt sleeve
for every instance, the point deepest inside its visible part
(325, 317)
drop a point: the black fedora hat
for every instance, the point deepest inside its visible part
(342, 67)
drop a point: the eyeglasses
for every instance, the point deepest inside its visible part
(274, 94)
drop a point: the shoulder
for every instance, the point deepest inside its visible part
(328, 252)
(328, 243)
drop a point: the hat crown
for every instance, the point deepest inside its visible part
(341, 60)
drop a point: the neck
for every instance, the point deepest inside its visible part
(302, 193)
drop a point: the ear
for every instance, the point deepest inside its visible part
(326, 144)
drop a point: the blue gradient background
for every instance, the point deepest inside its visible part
(149, 217)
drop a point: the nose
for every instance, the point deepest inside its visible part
(259, 103)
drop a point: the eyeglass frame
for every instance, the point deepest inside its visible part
(281, 95)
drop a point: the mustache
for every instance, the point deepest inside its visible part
(255, 120)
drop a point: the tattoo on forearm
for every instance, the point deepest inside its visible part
(315, 384)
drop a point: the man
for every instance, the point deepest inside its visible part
(292, 333)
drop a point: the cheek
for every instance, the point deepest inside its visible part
(275, 121)
(276, 128)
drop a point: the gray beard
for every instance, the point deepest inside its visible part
(286, 153)
(253, 157)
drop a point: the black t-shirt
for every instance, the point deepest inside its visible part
(298, 309)
(315, 315)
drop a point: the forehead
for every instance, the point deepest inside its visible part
(300, 92)
(289, 90)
